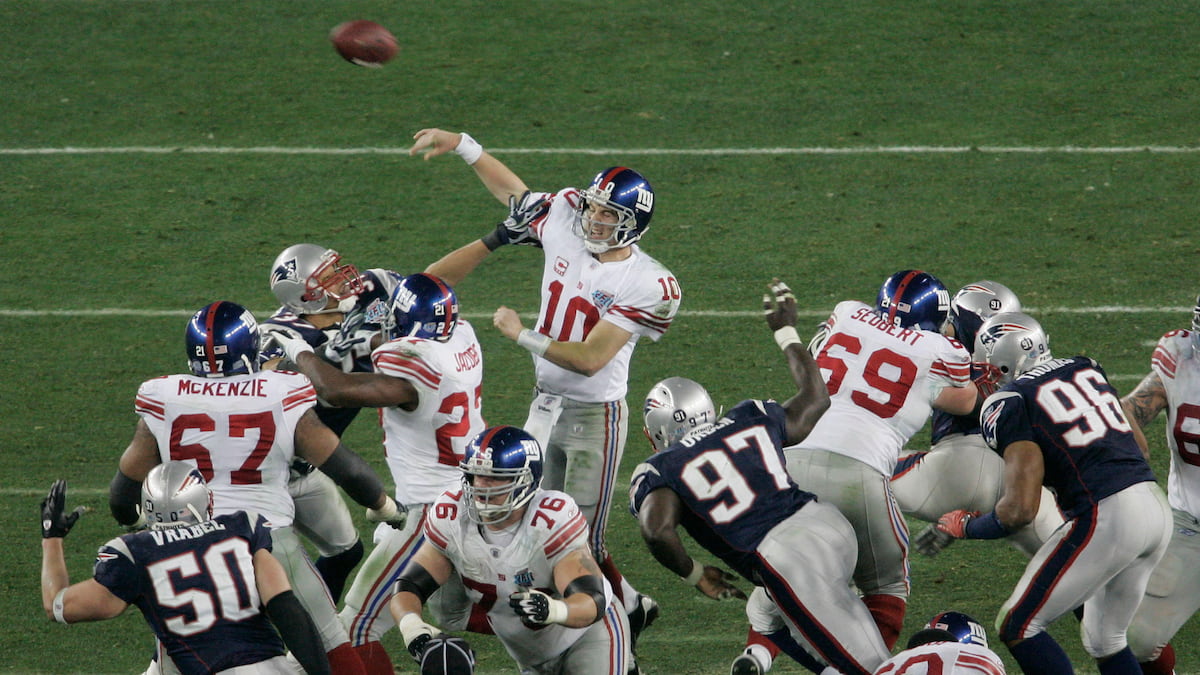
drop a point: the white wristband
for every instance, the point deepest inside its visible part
(534, 341)
(58, 606)
(558, 611)
(413, 626)
(695, 575)
(786, 336)
(469, 149)
(384, 513)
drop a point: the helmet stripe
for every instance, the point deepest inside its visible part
(893, 302)
(608, 178)
(210, 317)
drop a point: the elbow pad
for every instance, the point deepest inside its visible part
(124, 496)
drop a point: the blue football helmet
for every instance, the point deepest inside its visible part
(222, 339)
(914, 299)
(976, 302)
(423, 306)
(627, 193)
(964, 629)
(505, 453)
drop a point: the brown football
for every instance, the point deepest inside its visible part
(364, 43)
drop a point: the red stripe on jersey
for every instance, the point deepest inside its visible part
(956, 371)
(409, 367)
(434, 536)
(571, 530)
(968, 661)
(1165, 362)
(301, 396)
(150, 407)
(643, 318)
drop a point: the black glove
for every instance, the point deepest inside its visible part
(536, 608)
(54, 522)
(516, 228)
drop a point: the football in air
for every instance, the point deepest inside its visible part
(364, 43)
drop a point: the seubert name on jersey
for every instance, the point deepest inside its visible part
(251, 387)
(873, 319)
(181, 533)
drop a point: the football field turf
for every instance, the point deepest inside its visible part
(157, 155)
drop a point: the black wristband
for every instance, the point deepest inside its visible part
(495, 239)
(124, 495)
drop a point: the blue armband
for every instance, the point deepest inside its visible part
(985, 527)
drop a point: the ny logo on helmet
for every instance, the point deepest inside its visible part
(645, 200)
(405, 299)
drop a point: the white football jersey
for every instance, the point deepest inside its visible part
(882, 381)
(637, 294)
(1179, 369)
(239, 431)
(943, 658)
(551, 528)
(424, 446)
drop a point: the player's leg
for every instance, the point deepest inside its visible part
(1135, 526)
(807, 562)
(310, 590)
(960, 472)
(1172, 597)
(365, 615)
(322, 518)
(604, 649)
(864, 497)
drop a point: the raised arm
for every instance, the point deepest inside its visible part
(495, 176)
(85, 601)
(812, 398)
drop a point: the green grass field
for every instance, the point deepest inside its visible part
(155, 156)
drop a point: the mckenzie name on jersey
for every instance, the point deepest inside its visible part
(732, 480)
(195, 587)
(1070, 410)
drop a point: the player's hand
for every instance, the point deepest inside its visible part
(931, 540)
(955, 522)
(352, 340)
(392, 512)
(521, 213)
(537, 608)
(508, 321)
(288, 340)
(56, 523)
(434, 142)
(779, 306)
(718, 584)
(416, 634)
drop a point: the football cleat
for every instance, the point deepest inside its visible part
(746, 664)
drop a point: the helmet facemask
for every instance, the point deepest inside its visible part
(621, 233)
(515, 488)
(333, 279)
(1011, 343)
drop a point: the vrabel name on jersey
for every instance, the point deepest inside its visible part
(171, 535)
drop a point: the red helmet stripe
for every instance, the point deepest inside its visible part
(210, 315)
(608, 178)
(893, 305)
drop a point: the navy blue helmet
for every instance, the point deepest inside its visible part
(222, 339)
(914, 299)
(964, 629)
(512, 458)
(424, 306)
(624, 191)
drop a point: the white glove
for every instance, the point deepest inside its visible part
(392, 513)
(931, 540)
(416, 633)
(288, 340)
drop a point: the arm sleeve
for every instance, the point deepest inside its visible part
(299, 633)
(353, 475)
(124, 494)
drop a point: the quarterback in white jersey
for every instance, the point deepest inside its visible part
(886, 367)
(523, 555)
(600, 294)
(1173, 594)
(242, 427)
(427, 383)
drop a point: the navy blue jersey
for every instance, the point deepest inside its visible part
(732, 479)
(1070, 410)
(375, 303)
(195, 586)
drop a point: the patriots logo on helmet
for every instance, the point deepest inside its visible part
(285, 271)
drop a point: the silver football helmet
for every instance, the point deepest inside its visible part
(305, 276)
(675, 407)
(175, 494)
(1011, 343)
(974, 303)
